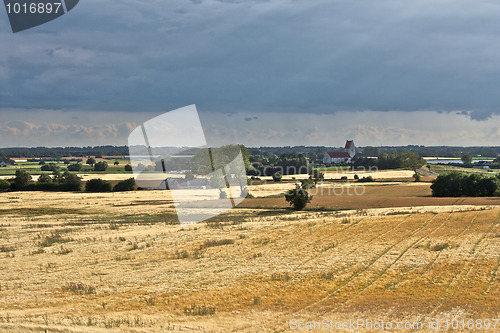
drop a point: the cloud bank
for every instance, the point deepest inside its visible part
(319, 56)
(58, 128)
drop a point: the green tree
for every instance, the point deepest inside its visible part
(246, 157)
(22, 180)
(75, 167)
(308, 183)
(455, 184)
(98, 185)
(209, 159)
(128, 167)
(125, 185)
(91, 161)
(4, 185)
(466, 159)
(86, 168)
(49, 167)
(100, 166)
(298, 197)
(57, 176)
(71, 182)
(277, 176)
(412, 161)
(116, 163)
(44, 178)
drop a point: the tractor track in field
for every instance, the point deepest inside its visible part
(282, 242)
(490, 283)
(370, 264)
(370, 283)
(294, 238)
(492, 276)
(384, 231)
(307, 232)
(338, 245)
(455, 283)
(431, 264)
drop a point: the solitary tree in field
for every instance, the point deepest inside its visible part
(277, 176)
(91, 161)
(100, 166)
(467, 159)
(412, 161)
(75, 167)
(298, 198)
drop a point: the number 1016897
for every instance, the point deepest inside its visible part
(472, 324)
(34, 8)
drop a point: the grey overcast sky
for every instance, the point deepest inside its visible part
(279, 72)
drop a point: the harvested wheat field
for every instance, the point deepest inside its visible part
(347, 196)
(117, 262)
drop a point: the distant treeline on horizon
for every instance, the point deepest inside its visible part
(308, 151)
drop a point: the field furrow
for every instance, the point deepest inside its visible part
(457, 285)
(329, 300)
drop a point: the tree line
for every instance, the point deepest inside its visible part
(456, 184)
(268, 164)
(66, 181)
(393, 160)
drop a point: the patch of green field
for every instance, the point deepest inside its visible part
(12, 170)
(445, 169)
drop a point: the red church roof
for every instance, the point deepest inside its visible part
(341, 154)
(348, 144)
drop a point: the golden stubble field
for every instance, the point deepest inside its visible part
(79, 262)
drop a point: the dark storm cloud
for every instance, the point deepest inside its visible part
(284, 55)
